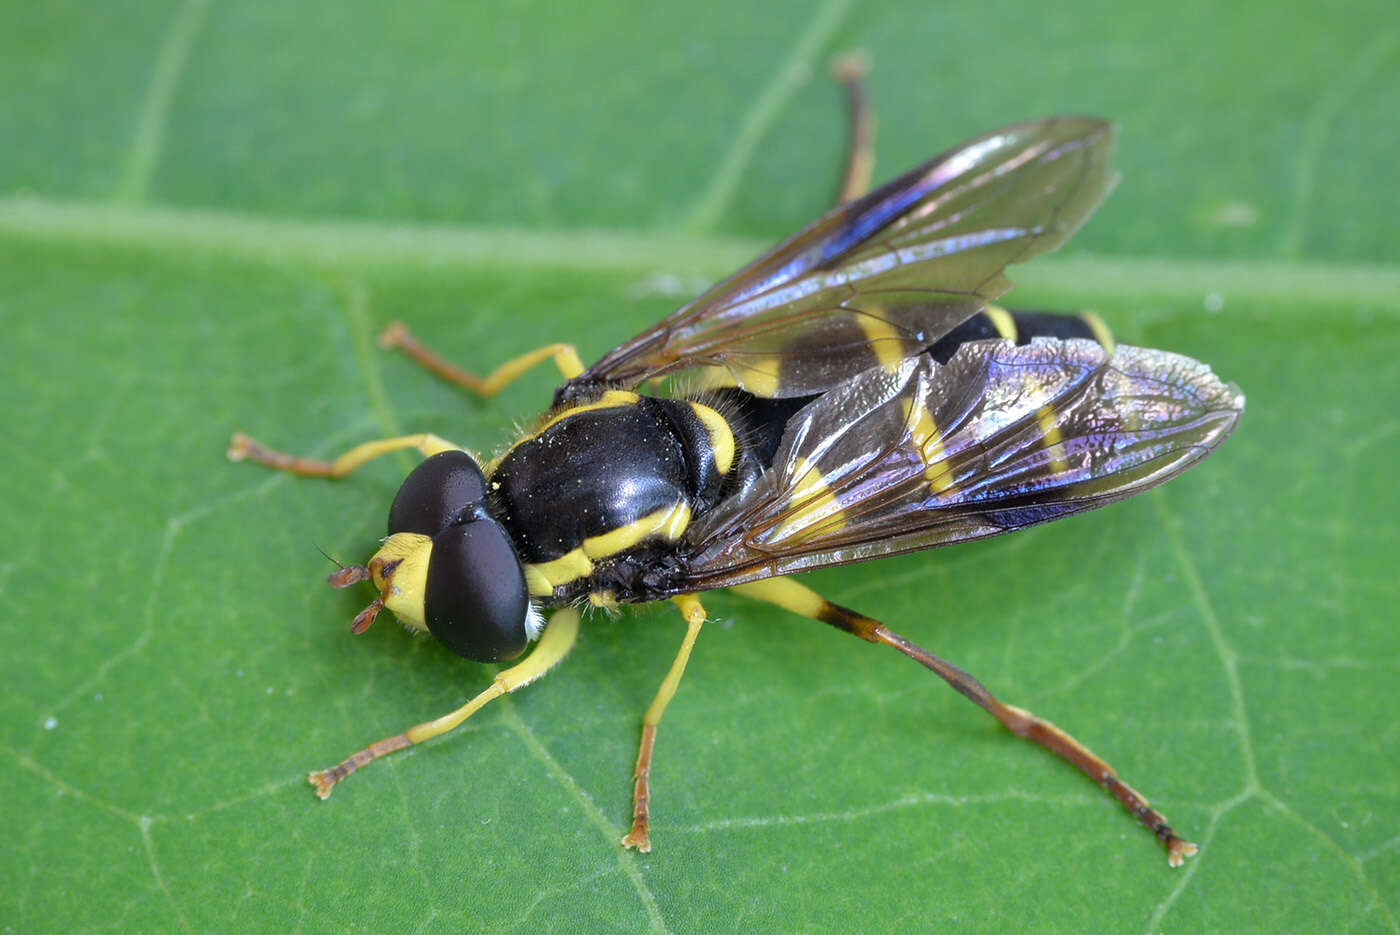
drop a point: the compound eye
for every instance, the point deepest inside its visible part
(475, 600)
(436, 493)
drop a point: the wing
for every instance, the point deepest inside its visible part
(920, 454)
(882, 277)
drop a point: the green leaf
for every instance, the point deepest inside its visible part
(206, 212)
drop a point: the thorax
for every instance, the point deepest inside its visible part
(604, 484)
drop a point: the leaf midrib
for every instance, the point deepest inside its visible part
(353, 244)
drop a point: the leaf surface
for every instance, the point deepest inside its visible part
(207, 211)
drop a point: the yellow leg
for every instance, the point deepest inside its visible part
(694, 615)
(800, 599)
(860, 155)
(556, 641)
(243, 448)
(565, 358)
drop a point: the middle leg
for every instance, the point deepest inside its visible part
(638, 837)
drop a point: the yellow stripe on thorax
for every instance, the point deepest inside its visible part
(928, 443)
(721, 436)
(611, 399)
(668, 523)
(541, 578)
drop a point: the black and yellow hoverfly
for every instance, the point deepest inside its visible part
(852, 394)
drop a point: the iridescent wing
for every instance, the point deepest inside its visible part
(919, 454)
(883, 277)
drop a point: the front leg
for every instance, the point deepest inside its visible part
(558, 638)
(243, 448)
(565, 358)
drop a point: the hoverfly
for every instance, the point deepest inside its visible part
(852, 394)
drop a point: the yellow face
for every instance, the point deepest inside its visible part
(400, 572)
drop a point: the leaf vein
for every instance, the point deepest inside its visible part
(766, 109)
(149, 137)
(626, 859)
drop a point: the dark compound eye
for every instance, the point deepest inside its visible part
(475, 601)
(436, 492)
